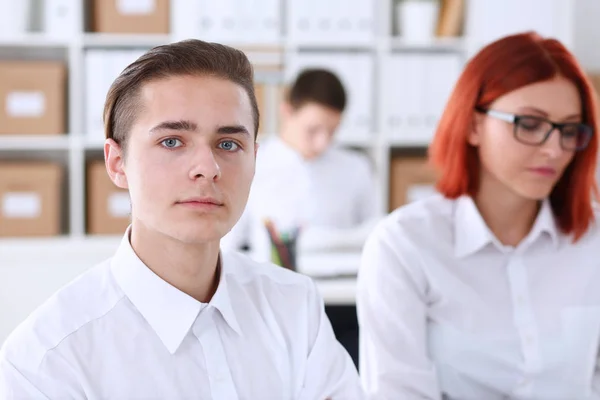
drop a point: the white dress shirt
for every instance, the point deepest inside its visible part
(121, 332)
(334, 191)
(446, 311)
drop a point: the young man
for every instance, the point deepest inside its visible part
(304, 181)
(170, 316)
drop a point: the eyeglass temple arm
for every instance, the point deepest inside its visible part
(497, 114)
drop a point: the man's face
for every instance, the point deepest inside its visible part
(190, 158)
(310, 128)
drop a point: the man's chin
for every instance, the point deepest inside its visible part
(199, 234)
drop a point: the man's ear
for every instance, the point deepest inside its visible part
(114, 160)
(474, 137)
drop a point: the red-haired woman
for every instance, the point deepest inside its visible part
(491, 290)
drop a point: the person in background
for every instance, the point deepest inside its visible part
(489, 290)
(304, 183)
(170, 316)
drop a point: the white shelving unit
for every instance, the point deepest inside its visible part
(75, 147)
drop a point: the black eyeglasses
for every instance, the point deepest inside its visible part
(534, 131)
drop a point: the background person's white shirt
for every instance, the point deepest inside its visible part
(445, 308)
(121, 332)
(332, 195)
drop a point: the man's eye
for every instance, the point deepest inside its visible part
(228, 145)
(171, 143)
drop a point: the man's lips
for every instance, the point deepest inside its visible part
(201, 202)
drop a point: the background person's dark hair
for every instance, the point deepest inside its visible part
(187, 57)
(319, 86)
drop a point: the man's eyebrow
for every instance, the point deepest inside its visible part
(181, 125)
(229, 129)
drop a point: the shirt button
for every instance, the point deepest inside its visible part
(520, 300)
(528, 340)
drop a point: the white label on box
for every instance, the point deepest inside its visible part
(136, 7)
(21, 205)
(25, 104)
(119, 205)
(419, 192)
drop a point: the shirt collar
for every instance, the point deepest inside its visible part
(545, 223)
(169, 311)
(221, 300)
(470, 230)
(471, 233)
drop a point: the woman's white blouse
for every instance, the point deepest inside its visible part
(446, 311)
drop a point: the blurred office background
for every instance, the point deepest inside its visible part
(59, 213)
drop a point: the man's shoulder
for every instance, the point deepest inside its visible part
(88, 297)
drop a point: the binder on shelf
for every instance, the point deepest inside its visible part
(451, 18)
(415, 89)
(340, 21)
(235, 22)
(401, 87)
(96, 64)
(489, 21)
(441, 72)
(60, 18)
(102, 68)
(15, 18)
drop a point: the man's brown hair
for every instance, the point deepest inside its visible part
(187, 57)
(317, 85)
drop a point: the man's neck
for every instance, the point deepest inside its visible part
(189, 268)
(510, 217)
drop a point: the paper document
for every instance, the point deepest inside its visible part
(321, 265)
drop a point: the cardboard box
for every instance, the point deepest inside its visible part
(108, 206)
(30, 198)
(411, 179)
(131, 16)
(281, 96)
(32, 94)
(260, 90)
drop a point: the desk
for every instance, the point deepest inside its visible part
(337, 291)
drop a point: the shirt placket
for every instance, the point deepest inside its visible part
(217, 367)
(525, 323)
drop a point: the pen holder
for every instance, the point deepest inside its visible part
(284, 253)
(283, 246)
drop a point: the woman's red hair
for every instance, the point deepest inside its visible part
(501, 67)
